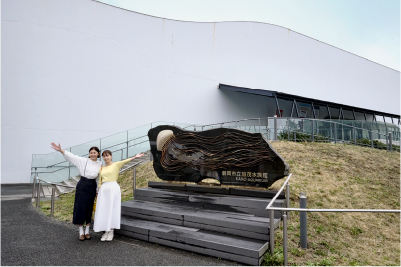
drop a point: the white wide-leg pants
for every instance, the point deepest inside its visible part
(108, 207)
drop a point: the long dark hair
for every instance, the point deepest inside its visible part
(96, 149)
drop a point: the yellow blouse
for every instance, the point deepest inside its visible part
(110, 173)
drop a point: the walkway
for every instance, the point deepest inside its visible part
(30, 238)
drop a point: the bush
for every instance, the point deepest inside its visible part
(376, 143)
(299, 136)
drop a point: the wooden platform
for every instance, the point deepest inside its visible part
(226, 225)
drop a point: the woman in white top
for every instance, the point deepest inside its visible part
(86, 188)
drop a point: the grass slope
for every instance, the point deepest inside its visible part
(348, 177)
(333, 176)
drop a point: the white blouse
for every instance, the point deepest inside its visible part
(86, 167)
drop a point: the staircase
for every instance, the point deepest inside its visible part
(229, 223)
(74, 180)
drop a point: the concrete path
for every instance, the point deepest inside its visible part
(30, 238)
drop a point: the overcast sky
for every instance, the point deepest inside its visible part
(368, 28)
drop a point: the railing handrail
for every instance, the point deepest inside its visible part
(54, 183)
(54, 165)
(311, 119)
(132, 166)
(278, 193)
(221, 125)
(332, 210)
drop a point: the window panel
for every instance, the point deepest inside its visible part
(359, 116)
(321, 112)
(348, 114)
(379, 118)
(304, 110)
(285, 108)
(334, 113)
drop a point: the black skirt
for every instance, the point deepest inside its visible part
(84, 198)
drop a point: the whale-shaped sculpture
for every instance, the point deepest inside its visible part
(231, 156)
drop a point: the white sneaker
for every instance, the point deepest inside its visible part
(110, 236)
(104, 236)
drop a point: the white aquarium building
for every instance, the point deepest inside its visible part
(78, 70)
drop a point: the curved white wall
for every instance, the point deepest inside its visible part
(78, 70)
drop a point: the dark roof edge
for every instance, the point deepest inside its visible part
(301, 98)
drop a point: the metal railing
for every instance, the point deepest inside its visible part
(263, 126)
(271, 215)
(36, 172)
(53, 195)
(39, 191)
(301, 210)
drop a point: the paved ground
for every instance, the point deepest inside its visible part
(30, 238)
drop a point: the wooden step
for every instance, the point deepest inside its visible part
(217, 189)
(235, 248)
(70, 182)
(76, 178)
(240, 224)
(227, 203)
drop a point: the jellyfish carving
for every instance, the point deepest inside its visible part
(230, 156)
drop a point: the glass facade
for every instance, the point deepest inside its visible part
(292, 106)
(286, 106)
(305, 110)
(335, 113)
(348, 114)
(359, 116)
(321, 112)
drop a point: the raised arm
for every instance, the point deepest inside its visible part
(123, 162)
(71, 158)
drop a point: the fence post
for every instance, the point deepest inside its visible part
(312, 135)
(52, 202)
(354, 136)
(342, 133)
(390, 141)
(387, 137)
(271, 232)
(295, 137)
(259, 125)
(38, 195)
(275, 128)
(371, 138)
(303, 221)
(288, 129)
(285, 240)
(335, 133)
(287, 198)
(134, 185)
(34, 186)
(302, 123)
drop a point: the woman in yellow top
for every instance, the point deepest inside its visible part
(108, 204)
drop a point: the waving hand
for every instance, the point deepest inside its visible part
(137, 156)
(57, 147)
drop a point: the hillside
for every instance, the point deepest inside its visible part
(333, 176)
